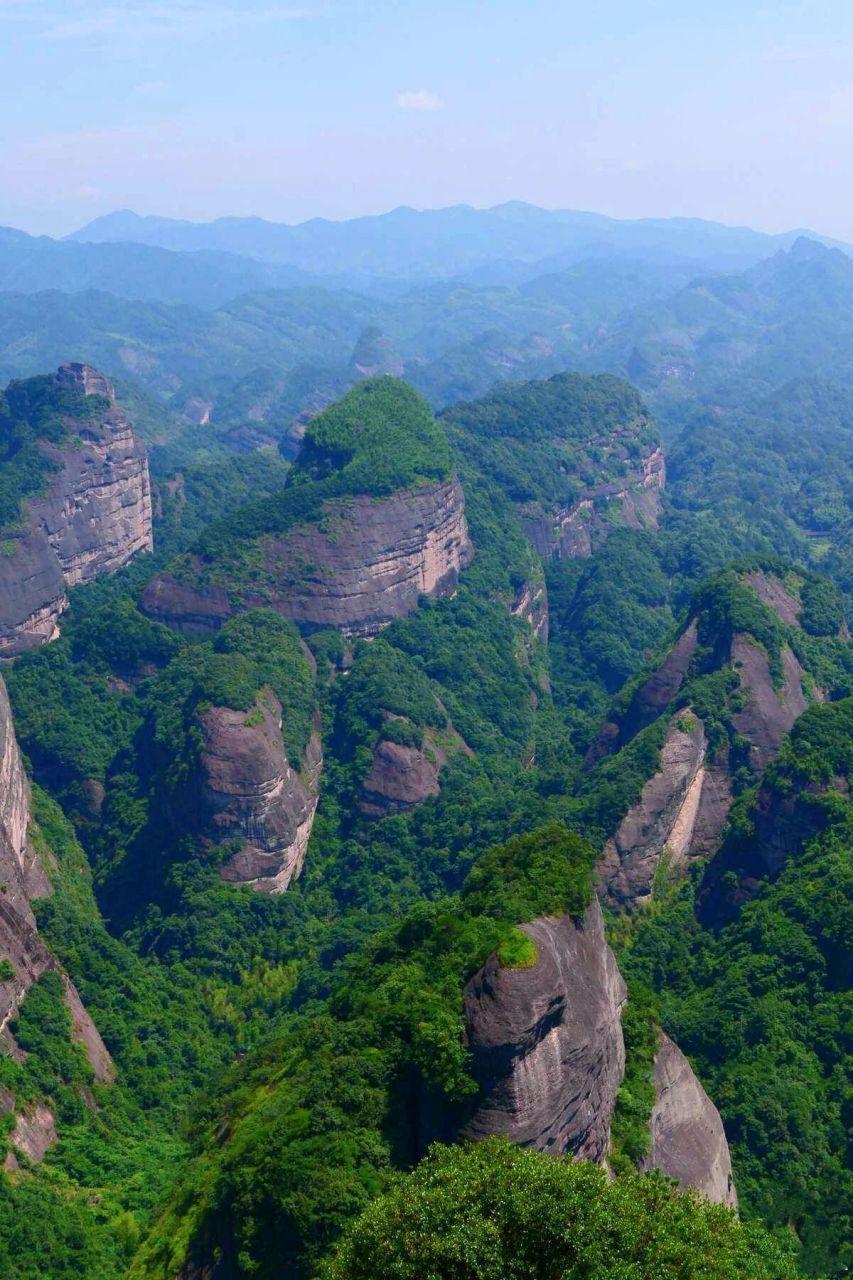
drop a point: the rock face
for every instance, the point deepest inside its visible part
(575, 530)
(366, 565)
(769, 713)
(657, 834)
(33, 1135)
(547, 1041)
(399, 778)
(94, 517)
(688, 1142)
(23, 878)
(250, 792)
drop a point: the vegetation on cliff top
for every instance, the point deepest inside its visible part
(34, 410)
(379, 439)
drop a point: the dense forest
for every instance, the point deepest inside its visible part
(292, 1072)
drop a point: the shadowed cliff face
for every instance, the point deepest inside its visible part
(94, 517)
(367, 565)
(250, 792)
(24, 878)
(547, 1041)
(687, 1138)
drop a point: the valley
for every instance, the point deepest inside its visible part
(426, 732)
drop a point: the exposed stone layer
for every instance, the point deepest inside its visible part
(250, 792)
(33, 1135)
(660, 827)
(94, 517)
(547, 1041)
(24, 878)
(769, 713)
(400, 777)
(366, 565)
(574, 531)
(688, 1142)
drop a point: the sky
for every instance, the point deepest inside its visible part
(740, 111)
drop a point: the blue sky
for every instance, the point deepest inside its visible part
(737, 111)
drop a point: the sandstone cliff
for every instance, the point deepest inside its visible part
(549, 1057)
(94, 516)
(688, 1142)
(656, 835)
(23, 879)
(547, 1041)
(364, 566)
(577, 529)
(250, 792)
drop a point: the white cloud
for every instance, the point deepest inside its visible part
(419, 100)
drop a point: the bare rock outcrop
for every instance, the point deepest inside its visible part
(93, 518)
(400, 778)
(363, 566)
(769, 712)
(250, 792)
(575, 530)
(33, 1135)
(688, 1142)
(23, 878)
(657, 833)
(546, 1041)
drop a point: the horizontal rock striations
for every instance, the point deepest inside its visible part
(363, 566)
(93, 518)
(546, 1041)
(688, 1142)
(250, 793)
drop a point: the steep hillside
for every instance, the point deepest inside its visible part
(75, 499)
(761, 1005)
(745, 666)
(372, 516)
(575, 455)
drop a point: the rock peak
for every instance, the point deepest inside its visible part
(88, 380)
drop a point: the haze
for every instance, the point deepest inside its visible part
(731, 112)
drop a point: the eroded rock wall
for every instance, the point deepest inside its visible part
(656, 835)
(95, 516)
(547, 1041)
(688, 1142)
(364, 566)
(250, 792)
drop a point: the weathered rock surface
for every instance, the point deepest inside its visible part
(772, 591)
(33, 1135)
(687, 1136)
(531, 605)
(575, 530)
(547, 1041)
(23, 878)
(661, 826)
(651, 698)
(366, 565)
(769, 713)
(250, 792)
(22, 875)
(400, 778)
(94, 517)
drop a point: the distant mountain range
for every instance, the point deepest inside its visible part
(496, 244)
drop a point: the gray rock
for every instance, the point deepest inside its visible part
(547, 1041)
(688, 1140)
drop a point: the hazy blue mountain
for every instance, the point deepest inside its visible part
(30, 264)
(448, 242)
(730, 340)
